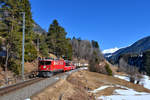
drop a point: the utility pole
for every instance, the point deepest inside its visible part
(38, 48)
(23, 39)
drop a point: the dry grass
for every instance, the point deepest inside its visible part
(107, 91)
(91, 81)
(54, 92)
(78, 85)
(64, 90)
(114, 69)
(29, 67)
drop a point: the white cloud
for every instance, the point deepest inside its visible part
(112, 50)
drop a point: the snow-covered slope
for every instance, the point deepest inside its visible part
(108, 52)
(127, 94)
(111, 50)
(145, 81)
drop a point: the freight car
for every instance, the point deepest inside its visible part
(69, 66)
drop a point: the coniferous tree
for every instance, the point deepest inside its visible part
(57, 41)
(43, 47)
(30, 50)
(95, 44)
(146, 60)
(11, 20)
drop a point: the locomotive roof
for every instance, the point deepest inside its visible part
(49, 59)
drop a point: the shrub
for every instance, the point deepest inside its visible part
(30, 52)
(15, 66)
(108, 70)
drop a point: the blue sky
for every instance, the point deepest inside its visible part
(113, 23)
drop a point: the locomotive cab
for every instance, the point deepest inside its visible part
(44, 68)
(48, 66)
(44, 65)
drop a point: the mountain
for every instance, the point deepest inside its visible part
(108, 52)
(112, 50)
(137, 48)
(37, 29)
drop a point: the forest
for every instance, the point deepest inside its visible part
(38, 42)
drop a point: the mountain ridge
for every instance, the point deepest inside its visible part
(137, 48)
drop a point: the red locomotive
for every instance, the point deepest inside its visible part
(48, 66)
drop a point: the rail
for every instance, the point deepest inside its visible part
(19, 85)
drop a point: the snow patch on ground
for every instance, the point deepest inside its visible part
(28, 99)
(122, 77)
(128, 91)
(57, 78)
(127, 94)
(122, 97)
(83, 68)
(145, 81)
(100, 88)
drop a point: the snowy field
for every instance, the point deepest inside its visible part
(145, 81)
(122, 94)
(125, 93)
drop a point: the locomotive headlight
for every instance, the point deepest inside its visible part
(44, 66)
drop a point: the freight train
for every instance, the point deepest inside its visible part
(48, 66)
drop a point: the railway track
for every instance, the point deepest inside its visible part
(14, 87)
(26, 89)
(19, 85)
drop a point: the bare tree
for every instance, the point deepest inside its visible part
(132, 71)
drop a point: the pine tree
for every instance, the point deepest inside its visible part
(57, 42)
(146, 60)
(95, 44)
(30, 50)
(11, 20)
(43, 47)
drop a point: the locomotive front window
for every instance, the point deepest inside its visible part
(45, 62)
(42, 63)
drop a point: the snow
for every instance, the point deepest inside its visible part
(100, 88)
(57, 78)
(127, 94)
(145, 81)
(28, 99)
(83, 68)
(122, 97)
(109, 55)
(112, 50)
(128, 91)
(123, 94)
(122, 77)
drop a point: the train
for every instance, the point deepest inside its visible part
(49, 66)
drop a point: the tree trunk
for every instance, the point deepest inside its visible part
(6, 64)
(132, 79)
(137, 82)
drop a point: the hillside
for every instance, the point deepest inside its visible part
(85, 85)
(37, 29)
(138, 47)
